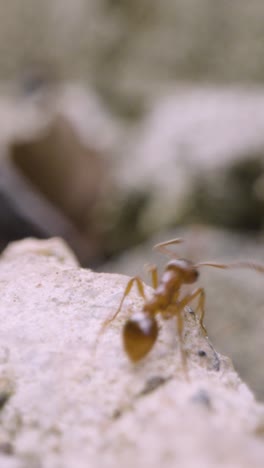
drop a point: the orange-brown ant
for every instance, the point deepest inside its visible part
(140, 331)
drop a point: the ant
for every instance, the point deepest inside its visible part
(140, 331)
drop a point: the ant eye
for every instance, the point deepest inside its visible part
(139, 335)
(196, 274)
(191, 276)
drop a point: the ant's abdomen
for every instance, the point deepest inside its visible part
(139, 335)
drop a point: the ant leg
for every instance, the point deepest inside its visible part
(140, 287)
(153, 270)
(129, 285)
(201, 302)
(174, 310)
(162, 246)
(182, 350)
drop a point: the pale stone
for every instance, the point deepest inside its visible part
(72, 404)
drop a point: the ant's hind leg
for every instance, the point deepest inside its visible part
(180, 325)
(173, 310)
(202, 312)
(140, 287)
(199, 292)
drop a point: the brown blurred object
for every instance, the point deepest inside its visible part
(68, 174)
(55, 173)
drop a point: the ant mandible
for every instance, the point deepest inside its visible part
(140, 331)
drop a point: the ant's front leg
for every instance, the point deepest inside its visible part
(199, 292)
(153, 270)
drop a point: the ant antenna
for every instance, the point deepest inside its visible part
(162, 246)
(249, 265)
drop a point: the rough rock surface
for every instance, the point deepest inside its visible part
(65, 403)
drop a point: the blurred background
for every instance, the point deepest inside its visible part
(125, 123)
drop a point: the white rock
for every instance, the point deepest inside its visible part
(70, 406)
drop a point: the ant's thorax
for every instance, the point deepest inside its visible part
(168, 287)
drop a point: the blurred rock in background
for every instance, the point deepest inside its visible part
(130, 50)
(183, 153)
(198, 156)
(56, 171)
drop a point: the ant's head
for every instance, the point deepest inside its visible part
(188, 271)
(139, 335)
